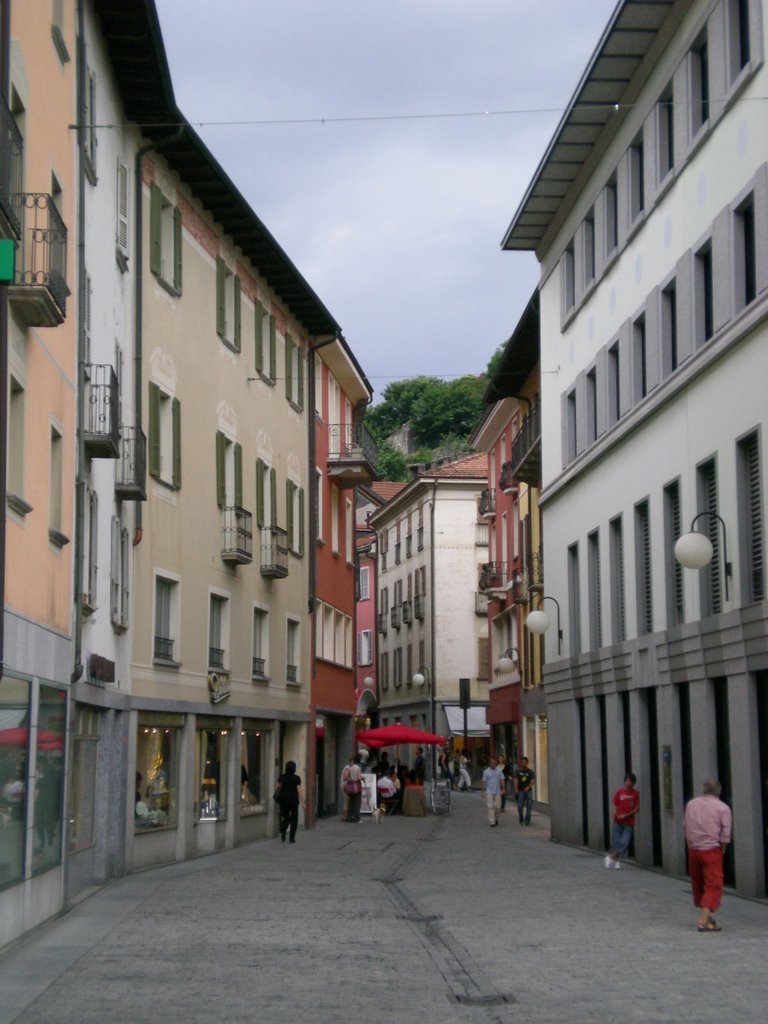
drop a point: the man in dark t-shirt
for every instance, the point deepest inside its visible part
(525, 777)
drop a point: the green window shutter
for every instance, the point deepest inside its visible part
(272, 348)
(300, 375)
(176, 431)
(237, 313)
(155, 220)
(221, 488)
(273, 496)
(239, 475)
(221, 311)
(289, 486)
(288, 367)
(259, 337)
(260, 468)
(301, 521)
(154, 430)
(177, 249)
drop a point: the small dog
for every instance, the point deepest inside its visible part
(377, 815)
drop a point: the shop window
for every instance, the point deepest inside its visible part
(49, 778)
(211, 767)
(14, 709)
(156, 777)
(82, 798)
(252, 774)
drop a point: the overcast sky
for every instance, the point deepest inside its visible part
(394, 218)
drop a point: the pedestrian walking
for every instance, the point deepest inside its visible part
(444, 766)
(501, 763)
(289, 796)
(491, 787)
(626, 802)
(465, 782)
(342, 788)
(707, 827)
(354, 789)
(525, 778)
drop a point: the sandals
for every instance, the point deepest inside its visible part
(713, 926)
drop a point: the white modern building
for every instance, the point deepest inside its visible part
(648, 217)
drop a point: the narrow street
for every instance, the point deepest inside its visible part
(420, 919)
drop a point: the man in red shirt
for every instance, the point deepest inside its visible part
(707, 828)
(626, 802)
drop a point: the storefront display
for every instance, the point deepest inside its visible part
(14, 737)
(211, 761)
(252, 752)
(82, 792)
(156, 777)
(49, 778)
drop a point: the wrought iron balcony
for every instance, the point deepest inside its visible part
(525, 463)
(101, 430)
(236, 535)
(131, 470)
(383, 623)
(259, 668)
(291, 673)
(520, 593)
(351, 453)
(536, 572)
(419, 605)
(407, 611)
(215, 657)
(274, 552)
(11, 166)
(493, 576)
(39, 290)
(487, 504)
(163, 649)
(507, 481)
(481, 603)
(395, 616)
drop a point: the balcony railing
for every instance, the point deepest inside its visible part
(525, 463)
(520, 593)
(407, 611)
(259, 668)
(507, 480)
(487, 503)
(419, 606)
(39, 290)
(351, 452)
(493, 575)
(274, 552)
(236, 535)
(536, 572)
(395, 617)
(163, 650)
(481, 603)
(11, 165)
(131, 470)
(215, 657)
(383, 623)
(101, 430)
(291, 673)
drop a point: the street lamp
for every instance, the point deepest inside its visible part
(368, 682)
(694, 550)
(539, 622)
(507, 661)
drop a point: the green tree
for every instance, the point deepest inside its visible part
(390, 463)
(396, 405)
(447, 407)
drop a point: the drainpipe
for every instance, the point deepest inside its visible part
(138, 302)
(5, 33)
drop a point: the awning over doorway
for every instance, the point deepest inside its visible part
(476, 723)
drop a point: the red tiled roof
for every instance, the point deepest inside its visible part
(387, 489)
(475, 465)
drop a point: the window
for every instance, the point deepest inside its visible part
(751, 543)
(614, 384)
(252, 770)
(644, 589)
(639, 360)
(589, 248)
(15, 471)
(292, 651)
(266, 494)
(669, 353)
(574, 599)
(704, 295)
(157, 774)
(738, 35)
(57, 31)
(165, 241)
(569, 278)
(673, 569)
(56, 483)
(618, 616)
(595, 604)
(334, 519)
(363, 583)
(611, 216)
(48, 775)
(166, 620)
(218, 631)
(228, 305)
(365, 647)
(119, 575)
(265, 344)
(349, 534)
(84, 768)
(122, 232)
(164, 437)
(294, 507)
(666, 133)
(398, 667)
(570, 426)
(294, 373)
(699, 84)
(229, 472)
(90, 141)
(14, 706)
(592, 406)
(383, 548)
(384, 670)
(319, 368)
(91, 552)
(636, 179)
(259, 663)
(745, 261)
(211, 750)
(710, 577)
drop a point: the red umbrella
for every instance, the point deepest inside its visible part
(391, 735)
(17, 737)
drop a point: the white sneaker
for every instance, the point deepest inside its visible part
(617, 865)
(609, 861)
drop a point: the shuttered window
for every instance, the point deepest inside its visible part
(482, 658)
(618, 614)
(164, 441)
(595, 607)
(674, 571)
(574, 599)
(711, 575)
(643, 568)
(164, 240)
(751, 520)
(122, 230)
